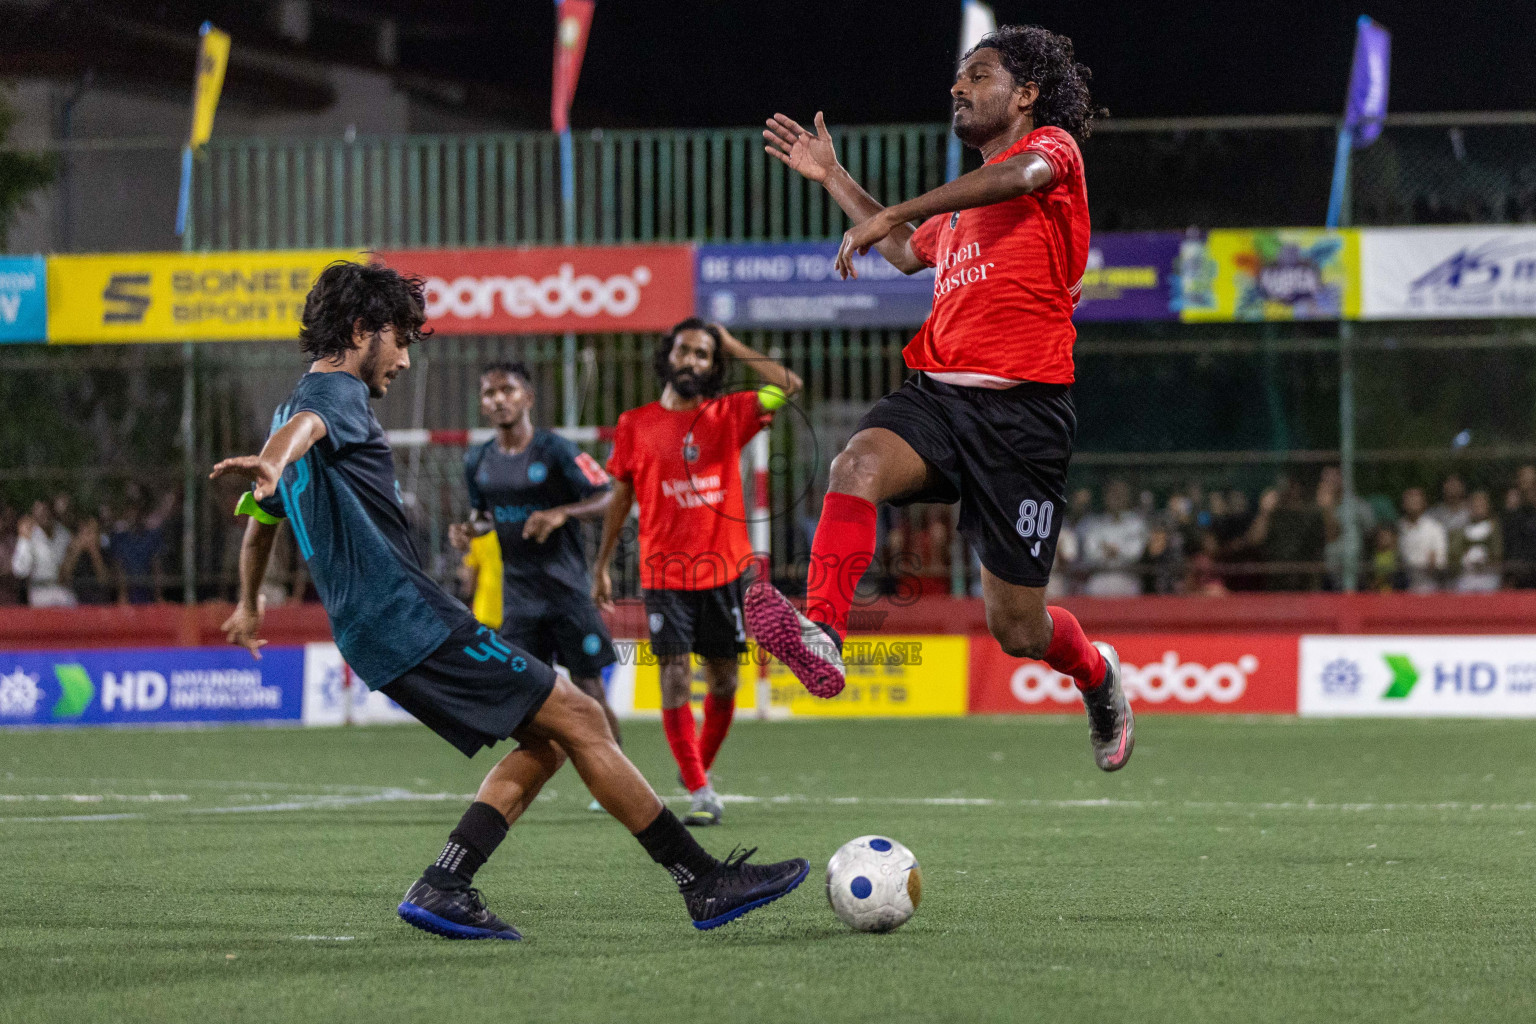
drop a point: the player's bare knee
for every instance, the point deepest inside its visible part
(856, 471)
(1019, 639)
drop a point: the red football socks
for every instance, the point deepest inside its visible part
(843, 549)
(1070, 652)
(681, 737)
(718, 712)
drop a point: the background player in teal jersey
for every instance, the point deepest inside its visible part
(329, 470)
(533, 487)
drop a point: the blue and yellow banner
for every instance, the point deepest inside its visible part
(23, 299)
(182, 296)
(1271, 274)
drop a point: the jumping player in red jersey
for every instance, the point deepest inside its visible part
(988, 419)
(680, 457)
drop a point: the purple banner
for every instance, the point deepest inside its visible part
(1367, 104)
(792, 284)
(1129, 277)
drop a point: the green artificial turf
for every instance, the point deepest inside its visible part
(1238, 870)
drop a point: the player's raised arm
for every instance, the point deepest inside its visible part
(815, 157)
(287, 445)
(988, 184)
(772, 371)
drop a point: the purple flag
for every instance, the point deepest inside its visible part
(1367, 104)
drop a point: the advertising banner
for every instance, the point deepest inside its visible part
(544, 291)
(1130, 276)
(150, 686)
(1419, 676)
(793, 285)
(23, 299)
(888, 676)
(334, 696)
(1193, 673)
(1447, 273)
(1275, 274)
(182, 296)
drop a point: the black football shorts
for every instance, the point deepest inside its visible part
(475, 689)
(706, 622)
(1002, 454)
(557, 624)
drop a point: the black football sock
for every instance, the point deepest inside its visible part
(670, 845)
(470, 845)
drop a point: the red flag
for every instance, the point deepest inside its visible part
(573, 20)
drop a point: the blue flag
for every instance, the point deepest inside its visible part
(1366, 106)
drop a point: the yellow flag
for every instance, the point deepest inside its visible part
(212, 58)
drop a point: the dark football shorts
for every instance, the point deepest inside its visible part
(1002, 454)
(706, 622)
(474, 690)
(556, 624)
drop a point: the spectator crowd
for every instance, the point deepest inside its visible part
(55, 556)
(1292, 538)
(1125, 543)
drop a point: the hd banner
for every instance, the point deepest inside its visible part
(23, 302)
(1130, 276)
(1447, 273)
(1272, 274)
(150, 686)
(542, 291)
(1419, 676)
(182, 296)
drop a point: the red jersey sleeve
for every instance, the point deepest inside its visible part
(746, 415)
(925, 240)
(619, 460)
(1058, 149)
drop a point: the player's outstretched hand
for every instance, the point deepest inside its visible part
(602, 590)
(860, 239)
(263, 474)
(459, 536)
(539, 525)
(243, 624)
(813, 156)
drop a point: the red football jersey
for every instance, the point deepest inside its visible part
(1009, 275)
(686, 471)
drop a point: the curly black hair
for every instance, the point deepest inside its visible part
(710, 385)
(347, 294)
(1033, 54)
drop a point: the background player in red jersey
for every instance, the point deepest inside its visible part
(680, 457)
(988, 419)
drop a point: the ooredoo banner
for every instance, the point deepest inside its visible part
(1190, 673)
(1414, 676)
(544, 291)
(150, 686)
(1447, 273)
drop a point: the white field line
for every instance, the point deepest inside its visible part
(335, 801)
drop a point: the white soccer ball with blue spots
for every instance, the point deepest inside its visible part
(874, 884)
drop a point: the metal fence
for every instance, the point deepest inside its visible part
(1168, 409)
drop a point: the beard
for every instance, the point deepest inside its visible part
(369, 370)
(974, 130)
(686, 384)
